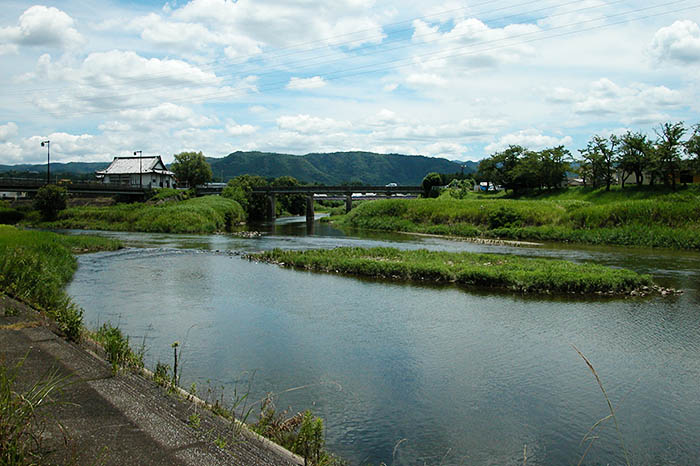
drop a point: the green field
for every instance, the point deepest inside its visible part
(633, 217)
(208, 214)
(35, 266)
(481, 270)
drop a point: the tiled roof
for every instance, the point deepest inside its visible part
(132, 165)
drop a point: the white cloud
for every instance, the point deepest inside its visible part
(677, 43)
(426, 79)
(10, 153)
(449, 150)
(637, 103)
(300, 84)
(42, 26)
(391, 87)
(309, 124)
(8, 131)
(470, 44)
(235, 129)
(528, 138)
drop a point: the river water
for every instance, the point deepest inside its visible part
(408, 374)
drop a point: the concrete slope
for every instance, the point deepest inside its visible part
(101, 418)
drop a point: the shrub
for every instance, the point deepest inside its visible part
(10, 216)
(50, 200)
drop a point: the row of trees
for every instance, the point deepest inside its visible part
(518, 169)
(602, 162)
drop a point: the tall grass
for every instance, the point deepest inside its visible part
(671, 220)
(206, 214)
(35, 266)
(483, 270)
(21, 415)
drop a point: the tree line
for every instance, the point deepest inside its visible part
(603, 162)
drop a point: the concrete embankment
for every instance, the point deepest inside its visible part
(99, 417)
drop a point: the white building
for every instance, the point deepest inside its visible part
(149, 172)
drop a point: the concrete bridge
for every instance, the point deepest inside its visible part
(31, 186)
(347, 193)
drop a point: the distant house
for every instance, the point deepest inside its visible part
(149, 172)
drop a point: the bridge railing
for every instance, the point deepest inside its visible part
(344, 190)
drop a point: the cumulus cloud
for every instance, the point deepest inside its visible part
(637, 103)
(8, 131)
(309, 124)
(117, 80)
(41, 26)
(234, 129)
(426, 79)
(300, 84)
(473, 40)
(528, 138)
(678, 43)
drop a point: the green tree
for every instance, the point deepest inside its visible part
(692, 146)
(240, 189)
(668, 147)
(554, 163)
(598, 162)
(191, 168)
(50, 200)
(635, 156)
(430, 181)
(295, 204)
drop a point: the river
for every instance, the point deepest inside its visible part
(408, 374)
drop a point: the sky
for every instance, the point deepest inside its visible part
(453, 79)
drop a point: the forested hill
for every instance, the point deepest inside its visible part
(331, 168)
(336, 167)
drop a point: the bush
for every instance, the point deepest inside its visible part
(50, 200)
(10, 216)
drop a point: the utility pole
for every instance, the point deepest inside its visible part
(140, 152)
(48, 160)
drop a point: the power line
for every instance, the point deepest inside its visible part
(271, 55)
(440, 55)
(308, 64)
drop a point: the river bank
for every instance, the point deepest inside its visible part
(668, 221)
(525, 275)
(207, 214)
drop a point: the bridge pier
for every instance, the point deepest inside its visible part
(271, 206)
(310, 209)
(348, 203)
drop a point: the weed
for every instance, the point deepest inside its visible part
(20, 414)
(602, 420)
(220, 442)
(116, 345)
(194, 421)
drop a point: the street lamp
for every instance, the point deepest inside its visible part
(140, 152)
(48, 160)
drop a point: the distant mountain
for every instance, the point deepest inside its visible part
(329, 168)
(67, 170)
(334, 168)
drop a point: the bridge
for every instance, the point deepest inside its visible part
(31, 186)
(347, 193)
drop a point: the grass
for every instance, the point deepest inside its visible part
(35, 266)
(651, 217)
(208, 214)
(21, 414)
(116, 345)
(482, 270)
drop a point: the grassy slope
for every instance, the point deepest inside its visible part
(206, 214)
(487, 270)
(36, 265)
(640, 217)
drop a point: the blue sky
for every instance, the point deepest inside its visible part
(454, 79)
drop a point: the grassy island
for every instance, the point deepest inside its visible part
(207, 214)
(634, 217)
(482, 270)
